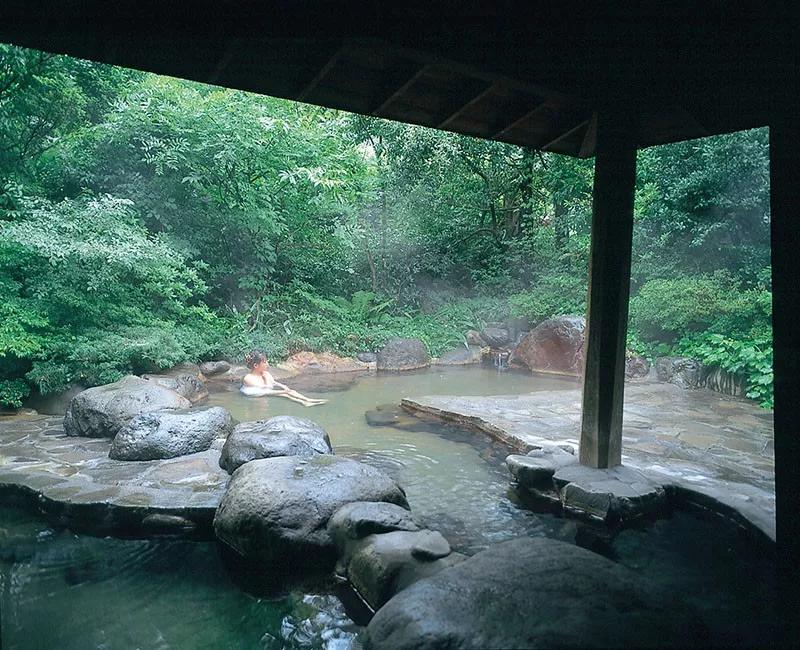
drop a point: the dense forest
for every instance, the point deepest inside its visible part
(146, 221)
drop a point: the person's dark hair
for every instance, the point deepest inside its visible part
(254, 357)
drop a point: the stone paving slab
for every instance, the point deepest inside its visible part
(73, 481)
(695, 442)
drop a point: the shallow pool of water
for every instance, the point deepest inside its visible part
(455, 482)
(62, 590)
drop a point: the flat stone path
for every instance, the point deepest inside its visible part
(716, 448)
(73, 480)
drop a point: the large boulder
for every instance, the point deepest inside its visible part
(187, 385)
(275, 511)
(556, 346)
(284, 435)
(211, 368)
(168, 434)
(496, 337)
(681, 371)
(460, 356)
(403, 354)
(636, 366)
(101, 412)
(321, 362)
(534, 593)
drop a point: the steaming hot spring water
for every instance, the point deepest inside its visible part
(62, 590)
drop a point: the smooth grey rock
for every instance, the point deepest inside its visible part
(284, 435)
(211, 368)
(534, 593)
(168, 434)
(681, 371)
(403, 354)
(189, 386)
(101, 412)
(379, 566)
(539, 465)
(618, 493)
(391, 415)
(362, 518)
(496, 337)
(460, 356)
(367, 357)
(277, 509)
(167, 524)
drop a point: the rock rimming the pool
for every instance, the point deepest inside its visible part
(168, 434)
(283, 435)
(379, 566)
(539, 465)
(534, 593)
(101, 412)
(363, 518)
(186, 385)
(403, 354)
(211, 368)
(275, 510)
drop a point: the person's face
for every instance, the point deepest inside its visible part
(261, 366)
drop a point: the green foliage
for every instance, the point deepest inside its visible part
(146, 221)
(751, 359)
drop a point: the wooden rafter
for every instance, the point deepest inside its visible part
(563, 135)
(324, 71)
(399, 92)
(517, 121)
(464, 108)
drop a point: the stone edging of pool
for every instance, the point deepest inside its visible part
(73, 482)
(738, 486)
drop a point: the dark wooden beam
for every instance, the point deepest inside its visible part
(464, 108)
(401, 90)
(589, 138)
(516, 121)
(323, 72)
(609, 288)
(784, 145)
(570, 131)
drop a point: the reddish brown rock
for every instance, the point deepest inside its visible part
(556, 345)
(321, 362)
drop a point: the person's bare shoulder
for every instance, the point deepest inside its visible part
(252, 380)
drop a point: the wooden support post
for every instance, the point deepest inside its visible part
(784, 150)
(609, 288)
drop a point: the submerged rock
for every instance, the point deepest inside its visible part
(380, 566)
(391, 415)
(284, 435)
(102, 411)
(534, 593)
(211, 368)
(276, 510)
(556, 345)
(168, 434)
(189, 386)
(403, 354)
